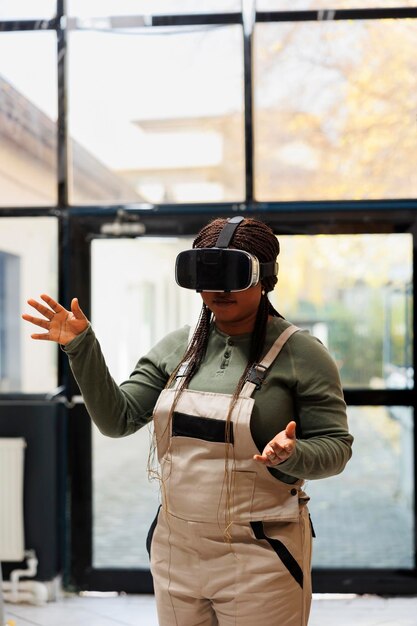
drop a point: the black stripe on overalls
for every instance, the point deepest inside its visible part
(282, 551)
(205, 428)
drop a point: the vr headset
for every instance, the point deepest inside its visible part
(221, 268)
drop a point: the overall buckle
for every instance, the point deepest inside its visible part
(256, 375)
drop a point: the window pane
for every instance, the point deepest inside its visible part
(354, 292)
(138, 7)
(335, 110)
(168, 128)
(150, 306)
(28, 267)
(299, 5)
(364, 518)
(27, 9)
(28, 112)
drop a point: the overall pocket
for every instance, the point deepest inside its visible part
(284, 554)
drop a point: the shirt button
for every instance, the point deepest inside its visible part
(227, 354)
(229, 342)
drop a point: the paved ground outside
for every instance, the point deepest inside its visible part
(362, 518)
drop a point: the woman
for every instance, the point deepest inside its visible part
(244, 412)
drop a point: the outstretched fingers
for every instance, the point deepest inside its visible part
(36, 320)
(41, 308)
(42, 336)
(55, 306)
(48, 313)
(61, 324)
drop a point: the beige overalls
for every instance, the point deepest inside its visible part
(263, 574)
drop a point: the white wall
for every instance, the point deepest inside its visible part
(34, 240)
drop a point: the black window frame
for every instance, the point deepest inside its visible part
(78, 225)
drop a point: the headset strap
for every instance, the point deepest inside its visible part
(226, 235)
(227, 232)
(268, 269)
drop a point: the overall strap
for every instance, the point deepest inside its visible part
(258, 371)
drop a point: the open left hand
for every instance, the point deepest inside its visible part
(280, 448)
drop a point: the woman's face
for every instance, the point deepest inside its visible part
(235, 313)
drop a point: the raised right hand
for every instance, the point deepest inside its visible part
(61, 325)
(280, 448)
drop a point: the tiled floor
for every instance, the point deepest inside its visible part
(140, 611)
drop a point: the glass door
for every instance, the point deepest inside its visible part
(352, 291)
(135, 277)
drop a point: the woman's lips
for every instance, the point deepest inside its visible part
(223, 301)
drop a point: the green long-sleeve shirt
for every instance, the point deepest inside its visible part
(303, 384)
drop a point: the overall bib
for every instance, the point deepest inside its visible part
(263, 573)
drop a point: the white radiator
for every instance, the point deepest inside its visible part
(12, 541)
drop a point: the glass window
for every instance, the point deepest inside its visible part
(364, 517)
(125, 501)
(28, 267)
(301, 5)
(347, 275)
(354, 292)
(27, 9)
(150, 305)
(335, 110)
(165, 7)
(162, 121)
(28, 112)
